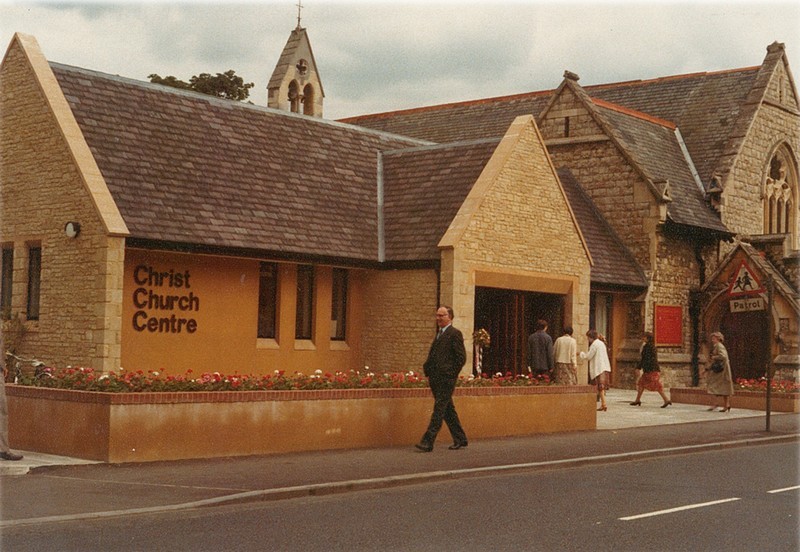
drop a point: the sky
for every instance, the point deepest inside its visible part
(388, 55)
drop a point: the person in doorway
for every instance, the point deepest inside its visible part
(599, 365)
(650, 378)
(565, 354)
(446, 357)
(540, 350)
(720, 383)
(5, 451)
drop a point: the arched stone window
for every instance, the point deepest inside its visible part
(294, 97)
(308, 100)
(780, 194)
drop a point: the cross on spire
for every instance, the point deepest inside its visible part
(299, 7)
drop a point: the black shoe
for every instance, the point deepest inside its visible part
(422, 447)
(666, 404)
(636, 403)
(10, 456)
(456, 446)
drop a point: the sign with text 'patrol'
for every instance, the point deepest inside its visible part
(745, 290)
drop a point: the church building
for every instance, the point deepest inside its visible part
(152, 228)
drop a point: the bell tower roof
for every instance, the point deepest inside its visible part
(295, 84)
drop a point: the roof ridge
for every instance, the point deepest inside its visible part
(634, 113)
(670, 78)
(422, 109)
(535, 93)
(224, 102)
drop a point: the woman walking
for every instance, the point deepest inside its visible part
(718, 373)
(599, 365)
(651, 373)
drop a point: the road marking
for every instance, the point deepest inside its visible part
(678, 509)
(320, 489)
(784, 490)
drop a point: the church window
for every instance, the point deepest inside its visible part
(304, 325)
(339, 305)
(779, 195)
(7, 280)
(268, 301)
(566, 127)
(308, 100)
(34, 282)
(294, 97)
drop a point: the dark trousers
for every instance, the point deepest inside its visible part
(444, 410)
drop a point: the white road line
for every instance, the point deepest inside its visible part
(392, 481)
(678, 509)
(784, 490)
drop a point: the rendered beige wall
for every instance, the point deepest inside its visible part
(225, 292)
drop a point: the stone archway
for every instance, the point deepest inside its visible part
(747, 342)
(746, 336)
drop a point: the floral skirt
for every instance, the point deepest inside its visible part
(566, 374)
(650, 381)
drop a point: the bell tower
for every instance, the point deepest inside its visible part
(295, 84)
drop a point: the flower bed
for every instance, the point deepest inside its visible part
(203, 423)
(748, 394)
(121, 381)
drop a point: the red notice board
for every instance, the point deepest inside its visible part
(669, 325)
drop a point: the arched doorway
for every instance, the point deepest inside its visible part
(747, 342)
(510, 317)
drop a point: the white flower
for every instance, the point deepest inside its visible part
(155, 374)
(318, 372)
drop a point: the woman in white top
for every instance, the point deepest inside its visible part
(599, 365)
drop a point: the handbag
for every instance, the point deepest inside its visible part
(717, 366)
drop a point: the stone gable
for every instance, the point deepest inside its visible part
(81, 278)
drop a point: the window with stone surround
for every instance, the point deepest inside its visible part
(780, 195)
(7, 281)
(34, 281)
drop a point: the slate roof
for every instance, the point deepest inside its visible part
(640, 136)
(191, 169)
(425, 188)
(704, 106)
(614, 264)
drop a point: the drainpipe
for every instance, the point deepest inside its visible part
(695, 301)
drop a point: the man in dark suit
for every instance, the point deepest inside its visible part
(445, 360)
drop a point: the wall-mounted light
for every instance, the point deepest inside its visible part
(72, 229)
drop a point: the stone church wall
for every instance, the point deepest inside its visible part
(399, 321)
(81, 278)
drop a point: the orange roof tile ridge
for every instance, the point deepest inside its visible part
(450, 105)
(633, 113)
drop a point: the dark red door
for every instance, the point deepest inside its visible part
(747, 342)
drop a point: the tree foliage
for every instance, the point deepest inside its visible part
(226, 85)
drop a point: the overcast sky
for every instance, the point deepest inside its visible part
(382, 56)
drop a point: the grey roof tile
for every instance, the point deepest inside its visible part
(183, 167)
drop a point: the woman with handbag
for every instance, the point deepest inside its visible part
(718, 373)
(651, 374)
